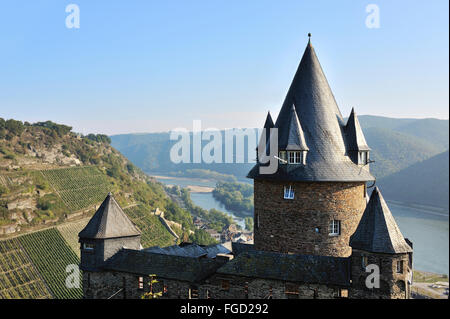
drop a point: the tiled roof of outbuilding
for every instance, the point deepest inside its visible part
(287, 267)
(163, 265)
(109, 221)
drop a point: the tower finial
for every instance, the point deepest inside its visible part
(309, 38)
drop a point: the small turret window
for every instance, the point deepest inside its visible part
(295, 157)
(363, 158)
(334, 228)
(87, 246)
(364, 262)
(400, 266)
(288, 192)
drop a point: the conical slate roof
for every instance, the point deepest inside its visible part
(109, 222)
(377, 231)
(354, 133)
(295, 139)
(323, 128)
(269, 121)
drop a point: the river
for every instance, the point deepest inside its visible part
(427, 230)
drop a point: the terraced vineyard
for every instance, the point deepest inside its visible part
(18, 276)
(153, 231)
(70, 233)
(51, 254)
(79, 187)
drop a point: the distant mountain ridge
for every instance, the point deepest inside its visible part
(423, 183)
(396, 144)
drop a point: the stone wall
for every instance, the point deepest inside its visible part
(104, 249)
(119, 285)
(286, 225)
(393, 285)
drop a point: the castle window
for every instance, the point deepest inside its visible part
(334, 228)
(364, 262)
(343, 293)
(141, 283)
(317, 230)
(295, 157)
(400, 266)
(225, 285)
(288, 192)
(291, 290)
(363, 158)
(87, 246)
(193, 292)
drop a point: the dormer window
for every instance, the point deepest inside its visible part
(87, 246)
(288, 192)
(363, 157)
(292, 157)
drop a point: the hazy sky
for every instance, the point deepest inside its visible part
(146, 66)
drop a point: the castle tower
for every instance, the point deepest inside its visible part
(106, 233)
(315, 200)
(378, 241)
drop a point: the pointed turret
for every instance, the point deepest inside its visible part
(295, 139)
(108, 231)
(355, 135)
(377, 231)
(357, 147)
(267, 126)
(109, 222)
(322, 129)
(269, 122)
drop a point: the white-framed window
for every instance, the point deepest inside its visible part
(334, 228)
(363, 157)
(294, 157)
(141, 283)
(87, 246)
(288, 192)
(399, 266)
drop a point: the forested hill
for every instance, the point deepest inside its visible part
(424, 183)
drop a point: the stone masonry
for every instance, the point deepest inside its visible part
(286, 225)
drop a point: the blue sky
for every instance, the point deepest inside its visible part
(146, 66)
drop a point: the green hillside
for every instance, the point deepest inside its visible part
(19, 278)
(51, 254)
(424, 183)
(51, 182)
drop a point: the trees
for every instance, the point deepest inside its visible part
(151, 294)
(237, 197)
